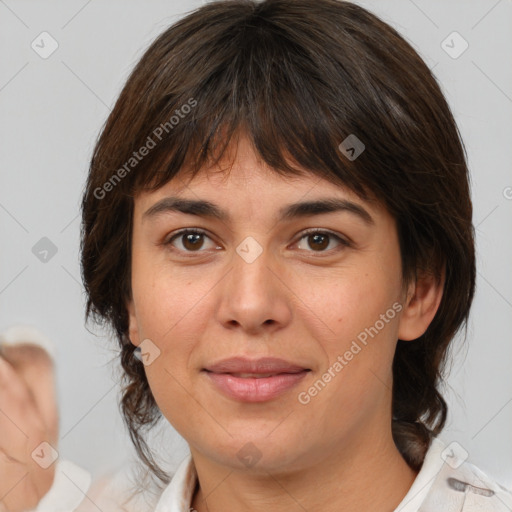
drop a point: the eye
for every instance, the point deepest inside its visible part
(320, 240)
(191, 240)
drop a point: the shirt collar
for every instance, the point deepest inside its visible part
(424, 479)
(177, 496)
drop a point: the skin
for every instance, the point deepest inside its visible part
(296, 301)
(28, 417)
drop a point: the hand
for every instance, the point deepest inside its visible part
(28, 417)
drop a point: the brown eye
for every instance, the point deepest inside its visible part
(319, 241)
(192, 241)
(189, 240)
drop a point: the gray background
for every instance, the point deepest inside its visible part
(51, 112)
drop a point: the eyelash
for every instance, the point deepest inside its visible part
(344, 243)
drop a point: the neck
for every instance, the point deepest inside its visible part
(374, 478)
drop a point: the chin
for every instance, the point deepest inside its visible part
(258, 453)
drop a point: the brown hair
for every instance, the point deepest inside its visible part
(298, 76)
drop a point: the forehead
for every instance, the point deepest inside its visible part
(242, 179)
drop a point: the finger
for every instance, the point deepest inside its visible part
(18, 492)
(20, 421)
(35, 366)
(22, 479)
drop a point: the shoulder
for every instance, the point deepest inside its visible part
(131, 488)
(461, 486)
(143, 492)
(70, 485)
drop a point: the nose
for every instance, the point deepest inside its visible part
(254, 297)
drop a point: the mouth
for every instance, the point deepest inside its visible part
(263, 366)
(255, 375)
(254, 380)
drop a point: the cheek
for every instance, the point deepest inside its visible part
(165, 298)
(360, 308)
(172, 311)
(351, 302)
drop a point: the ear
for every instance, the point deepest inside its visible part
(421, 305)
(133, 328)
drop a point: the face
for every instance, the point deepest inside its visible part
(214, 298)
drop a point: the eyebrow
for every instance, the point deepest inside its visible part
(205, 208)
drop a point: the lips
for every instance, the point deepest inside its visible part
(265, 365)
(253, 375)
(254, 380)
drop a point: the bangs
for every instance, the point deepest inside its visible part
(299, 92)
(254, 79)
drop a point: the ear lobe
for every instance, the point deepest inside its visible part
(423, 299)
(133, 329)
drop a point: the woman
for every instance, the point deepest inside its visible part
(277, 226)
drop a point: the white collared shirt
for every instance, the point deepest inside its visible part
(177, 497)
(469, 489)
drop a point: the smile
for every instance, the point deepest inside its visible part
(249, 387)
